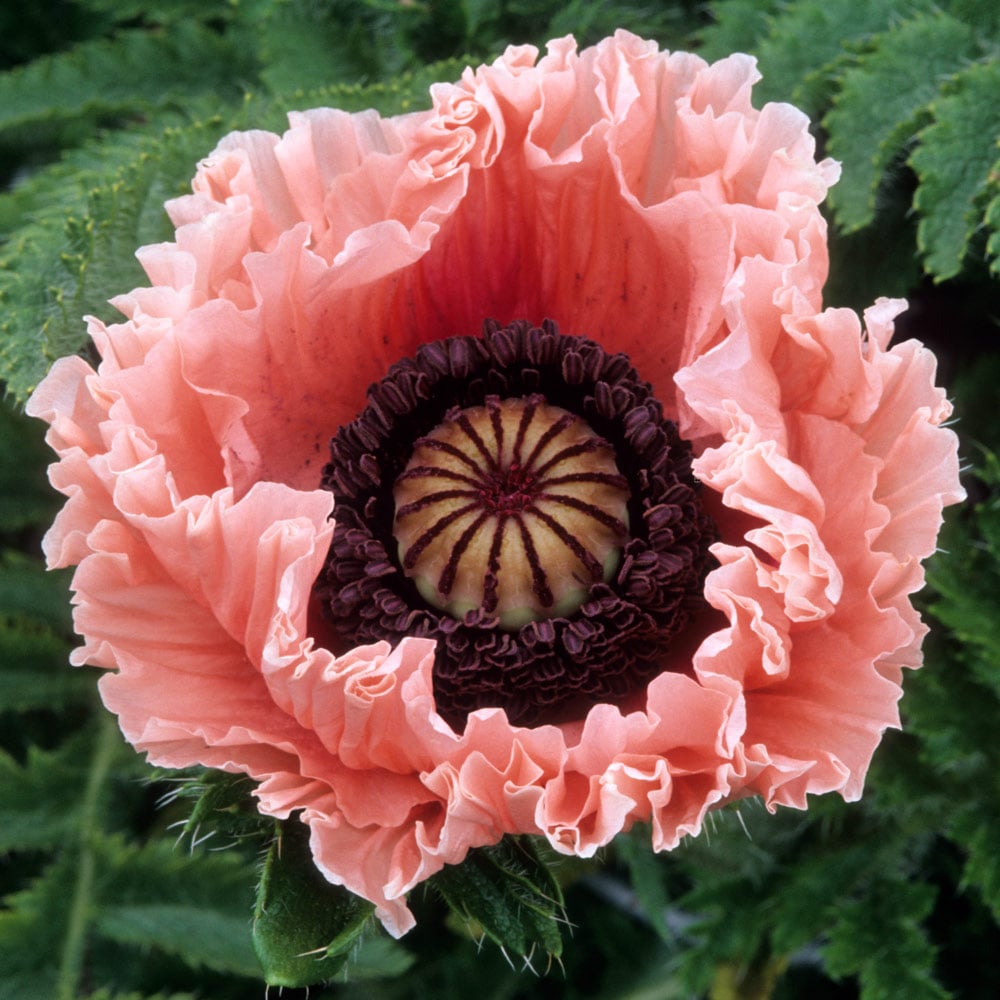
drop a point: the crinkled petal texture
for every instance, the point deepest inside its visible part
(633, 196)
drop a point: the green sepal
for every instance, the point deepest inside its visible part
(304, 927)
(508, 893)
(222, 804)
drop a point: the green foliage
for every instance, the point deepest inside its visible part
(894, 86)
(899, 892)
(96, 891)
(966, 587)
(737, 26)
(952, 185)
(86, 894)
(30, 30)
(73, 227)
(39, 800)
(644, 874)
(24, 500)
(858, 942)
(333, 40)
(130, 73)
(63, 263)
(195, 906)
(833, 893)
(879, 104)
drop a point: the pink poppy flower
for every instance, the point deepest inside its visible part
(533, 587)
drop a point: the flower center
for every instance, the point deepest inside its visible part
(515, 507)
(521, 499)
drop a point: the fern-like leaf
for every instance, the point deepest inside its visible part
(956, 167)
(34, 675)
(25, 499)
(112, 995)
(195, 906)
(881, 102)
(133, 70)
(303, 41)
(163, 12)
(809, 44)
(880, 939)
(39, 801)
(737, 26)
(957, 717)
(33, 923)
(992, 220)
(978, 831)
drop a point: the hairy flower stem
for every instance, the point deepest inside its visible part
(74, 944)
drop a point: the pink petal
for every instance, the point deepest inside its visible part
(634, 196)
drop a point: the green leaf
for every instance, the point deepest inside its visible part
(39, 800)
(410, 91)
(34, 648)
(673, 25)
(809, 892)
(978, 831)
(956, 160)
(646, 875)
(195, 906)
(377, 956)
(25, 497)
(509, 893)
(47, 191)
(135, 69)
(738, 26)
(882, 101)
(113, 995)
(878, 260)
(162, 12)
(476, 13)
(809, 42)
(26, 30)
(984, 14)
(992, 219)
(302, 42)
(880, 938)
(35, 674)
(304, 926)
(28, 590)
(33, 924)
(43, 928)
(957, 714)
(967, 581)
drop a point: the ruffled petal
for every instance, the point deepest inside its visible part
(633, 196)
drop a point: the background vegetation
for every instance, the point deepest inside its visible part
(110, 888)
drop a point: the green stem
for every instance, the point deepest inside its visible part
(75, 942)
(734, 981)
